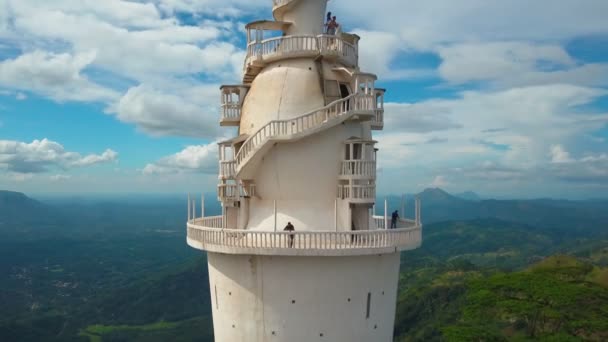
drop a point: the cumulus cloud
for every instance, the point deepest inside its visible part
(516, 64)
(418, 118)
(58, 76)
(425, 24)
(439, 182)
(200, 158)
(42, 155)
(163, 113)
(60, 178)
(559, 155)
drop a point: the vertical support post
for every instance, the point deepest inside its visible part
(193, 207)
(336, 214)
(417, 211)
(189, 208)
(275, 215)
(403, 206)
(385, 213)
(223, 216)
(202, 205)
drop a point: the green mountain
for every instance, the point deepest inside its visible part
(127, 274)
(18, 209)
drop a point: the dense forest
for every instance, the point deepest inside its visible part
(119, 270)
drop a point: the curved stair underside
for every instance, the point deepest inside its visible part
(255, 147)
(280, 7)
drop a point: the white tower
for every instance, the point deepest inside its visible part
(305, 155)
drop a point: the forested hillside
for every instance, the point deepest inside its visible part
(127, 275)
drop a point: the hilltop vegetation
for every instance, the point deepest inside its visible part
(127, 274)
(558, 299)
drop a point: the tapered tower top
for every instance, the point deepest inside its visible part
(304, 16)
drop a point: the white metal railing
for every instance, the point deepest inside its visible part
(302, 45)
(355, 192)
(378, 121)
(332, 45)
(234, 192)
(230, 112)
(209, 237)
(227, 169)
(283, 128)
(359, 168)
(381, 223)
(209, 222)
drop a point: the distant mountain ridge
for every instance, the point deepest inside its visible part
(438, 205)
(17, 208)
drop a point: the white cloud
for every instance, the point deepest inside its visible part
(60, 178)
(41, 155)
(202, 159)
(559, 155)
(439, 182)
(516, 64)
(510, 129)
(58, 76)
(424, 24)
(164, 113)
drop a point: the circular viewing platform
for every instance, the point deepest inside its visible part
(207, 234)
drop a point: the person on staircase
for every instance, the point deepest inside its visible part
(290, 228)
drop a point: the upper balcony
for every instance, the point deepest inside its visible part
(357, 193)
(230, 193)
(209, 234)
(262, 52)
(231, 104)
(377, 122)
(359, 161)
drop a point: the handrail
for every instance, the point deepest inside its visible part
(358, 168)
(298, 44)
(297, 125)
(218, 239)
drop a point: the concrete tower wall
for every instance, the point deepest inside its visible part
(307, 17)
(265, 298)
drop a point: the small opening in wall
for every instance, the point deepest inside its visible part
(349, 299)
(321, 334)
(230, 293)
(233, 325)
(369, 300)
(273, 333)
(375, 326)
(293, 301)
(309, 68)
(383, 293)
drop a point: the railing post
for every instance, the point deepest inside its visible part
(403, 206)
(275, 215)
(336, 214)
(193, 208)
(385, 213)
(189, 208)
(417, 218)
(202, 205)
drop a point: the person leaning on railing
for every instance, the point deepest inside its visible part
(290, 228)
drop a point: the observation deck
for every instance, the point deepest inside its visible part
(261, 53)
(208, 234)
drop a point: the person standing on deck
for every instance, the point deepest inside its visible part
(394, 219)
(290, 228)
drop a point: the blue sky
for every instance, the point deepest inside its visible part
(506, 98)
